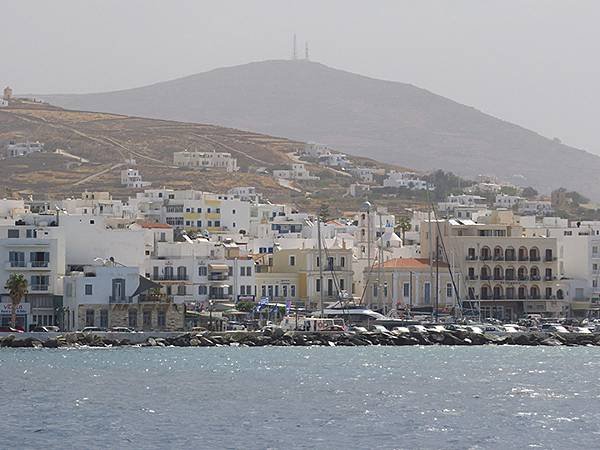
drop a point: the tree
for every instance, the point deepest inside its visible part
(403, 226)
(245, 306)
(16, 285)
(529, 192)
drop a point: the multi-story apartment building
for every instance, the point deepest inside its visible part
(37, 251)
(198, 271)
(504, 273)
(206, 160)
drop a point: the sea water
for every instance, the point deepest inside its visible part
(301, 397)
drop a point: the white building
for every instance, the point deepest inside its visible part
(206, 160)
(246, 194)
(408, 180)
(132, 178)
(364, 174)
(334, 160)
(17, 149)
(297, 172)
(315, 150)
(536, 207)
(3, 103)
(507, 201)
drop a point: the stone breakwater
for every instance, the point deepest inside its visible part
(280, 338)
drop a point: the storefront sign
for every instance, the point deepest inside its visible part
(245, 298)
(22, 309)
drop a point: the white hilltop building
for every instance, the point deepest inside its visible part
(408, 180)
(314, 150)
(297, 172)
(206, 160)
(17, 149)
(132, 178)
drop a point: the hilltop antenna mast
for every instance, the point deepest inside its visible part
(294, 49)
(306, 51)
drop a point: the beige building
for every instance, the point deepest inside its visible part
(505, 273)
(206, 160)
(409, 284)
(293, 274)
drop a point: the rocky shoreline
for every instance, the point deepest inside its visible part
(280, 338)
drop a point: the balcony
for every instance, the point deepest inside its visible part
(498, 258)
(486, 277)
(39, 287)
(535, 278)
(498, 277)
(523, 258)
(121, 299)
(154, 298)
(510, 258)
(39, 264)
(472, 277)
(535, 258)
(550, 259)
(486, 257)
(549, 278)
(218, 277)
(472, 258)
(173, 277)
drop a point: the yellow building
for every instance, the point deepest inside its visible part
(294, 274)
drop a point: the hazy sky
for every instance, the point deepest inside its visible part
(535, 63)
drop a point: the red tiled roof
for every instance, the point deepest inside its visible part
(409, 263)
(155, 225)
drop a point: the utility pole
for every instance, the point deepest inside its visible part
(437, 277)
(322, 292)
(380, 266)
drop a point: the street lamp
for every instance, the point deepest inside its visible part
(210, 310)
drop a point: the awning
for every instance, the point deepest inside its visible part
(218, 267)
(145, 285)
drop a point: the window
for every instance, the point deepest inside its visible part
(88, 289)
(147, 318)
(132, 316)
(242, 271)
(217, 223)
(284, 288)
(202, 271)
(233, 211)
(230, 271)
(202, 289)
(449, 290)
(318, 287)
(161, 319)
(104, 318)
(13, 234)
(276, 290)
(318, 261)
(342, 284)
(208, 210)
(218, 210)
(89, 317)
(199, 210)
(427, 293)
(181, 289)
(375, 291)
(209, 223)
(293, 290)
(263, 291)
(243, 290)
(249, 271)
(343, 261)
(16, 259)
(406, 290)
(292, 260)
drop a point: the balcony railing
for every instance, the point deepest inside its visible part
(535, 258)
(510, 258)
(218, 277)
(486, 277)
(486, 257)
(39, 287)
(523, 258)
(154, 298)
(121, 299)
(498, 257)
(472, 258)
(550, 258)
(17, 264)
(535, 278)
(498, 277)
(174, 277)
(39, 263)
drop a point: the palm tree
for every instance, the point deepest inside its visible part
(17, 289)
(404, 226)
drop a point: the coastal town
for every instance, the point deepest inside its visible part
(409, 245)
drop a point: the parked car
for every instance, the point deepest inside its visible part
(417, 329)
(10, 330)
(379, 329)
(359, 329)
(122, 330)
(45, 329)
(92, 329)
(235, 326)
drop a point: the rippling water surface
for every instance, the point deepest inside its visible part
(376, 397)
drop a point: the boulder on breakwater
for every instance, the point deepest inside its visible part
(280, 338)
